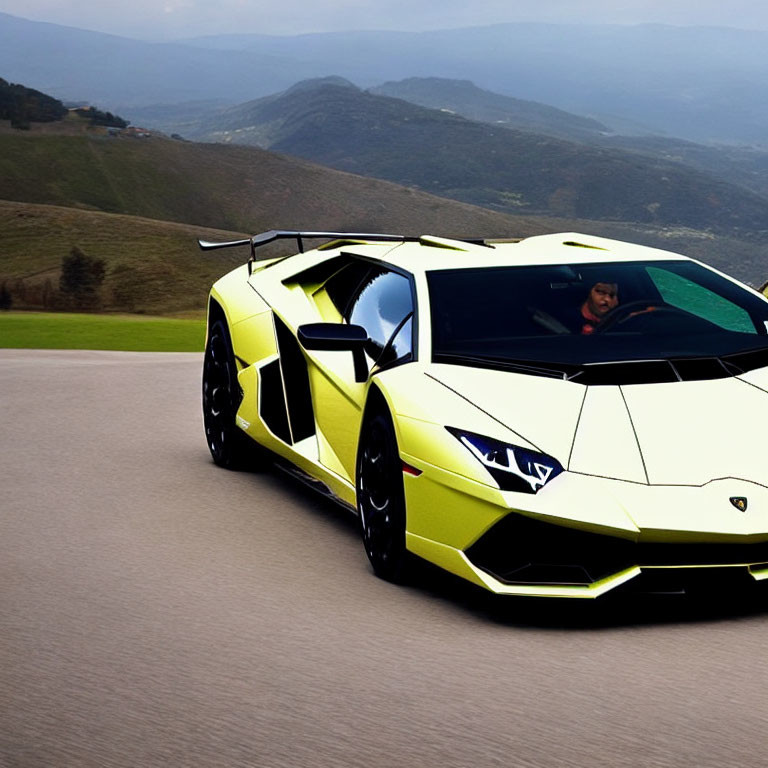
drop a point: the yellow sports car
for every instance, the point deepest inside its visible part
(558, 416)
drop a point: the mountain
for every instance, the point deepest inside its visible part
(464, 98)
(700, 83)
(744, 166)
(693, 82)
(445, 154)
(117, 72)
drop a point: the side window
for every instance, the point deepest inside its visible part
(400, 346)
(346, 283)
(382, 304)
(698, 300)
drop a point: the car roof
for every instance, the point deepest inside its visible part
(432, 253)
(429, 253)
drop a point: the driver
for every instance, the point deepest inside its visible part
(601, 299)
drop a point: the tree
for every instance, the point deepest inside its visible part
(97, 117)
(6, 300)
(23, 105)
(81, 279)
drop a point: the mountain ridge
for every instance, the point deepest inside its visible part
(500, 168)
(685, 89)
(468, 100)
(744, 166)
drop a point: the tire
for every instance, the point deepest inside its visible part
(230, 447)
(381, 499)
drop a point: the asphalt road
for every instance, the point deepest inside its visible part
(158, 611)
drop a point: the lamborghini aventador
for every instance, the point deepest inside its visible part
(562, 415)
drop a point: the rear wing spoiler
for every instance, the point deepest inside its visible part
(281, 234)
(255, 241)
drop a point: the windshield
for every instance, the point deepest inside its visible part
(581, 314)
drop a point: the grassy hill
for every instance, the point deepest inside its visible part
(445, 154)
(226, 187)
(167, 272)
(157, 263)
(162, 272)
(140, 205)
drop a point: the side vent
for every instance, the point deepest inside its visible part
(574, 244)
(442, 242)
(464, 244)
(296, 380)
(272, 402)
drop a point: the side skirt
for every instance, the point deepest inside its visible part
(311, 482)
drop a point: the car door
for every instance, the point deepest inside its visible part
(381, 300)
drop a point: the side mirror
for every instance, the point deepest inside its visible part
(336, 336)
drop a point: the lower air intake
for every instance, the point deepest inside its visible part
(520, 550)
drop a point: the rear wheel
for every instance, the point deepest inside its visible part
(381, 499)
(229, 445)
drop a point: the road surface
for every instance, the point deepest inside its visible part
(156, 610)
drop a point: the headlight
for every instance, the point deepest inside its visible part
(512, 467)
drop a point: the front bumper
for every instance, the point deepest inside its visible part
(578, 537)
(519, 551)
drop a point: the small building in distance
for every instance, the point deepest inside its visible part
(137, 132)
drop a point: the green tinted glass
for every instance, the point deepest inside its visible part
(692, 297)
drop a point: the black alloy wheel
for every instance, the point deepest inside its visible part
(229, 445)
(381, 499)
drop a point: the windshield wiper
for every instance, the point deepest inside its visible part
(748, 360)
(531, 367)
(641, 370)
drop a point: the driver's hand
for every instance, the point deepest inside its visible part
(641, 312)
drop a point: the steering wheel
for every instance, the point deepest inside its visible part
(624, 312)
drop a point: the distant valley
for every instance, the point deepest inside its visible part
(463, 97)
(697, 83)
(330, 121)
(745, 166)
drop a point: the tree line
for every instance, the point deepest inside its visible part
(22, 105)
(97, 117)
(79, 287)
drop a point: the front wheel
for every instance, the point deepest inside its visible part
(229, 445)
(381, 499)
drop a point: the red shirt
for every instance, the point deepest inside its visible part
(592, 320)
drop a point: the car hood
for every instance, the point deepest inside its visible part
(682, 433)
(697, 431)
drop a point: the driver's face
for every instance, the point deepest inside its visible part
(602, 298)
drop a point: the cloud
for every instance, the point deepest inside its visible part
(175, 6)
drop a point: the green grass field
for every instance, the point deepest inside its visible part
(51, 330)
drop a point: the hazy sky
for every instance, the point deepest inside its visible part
(167, 19)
